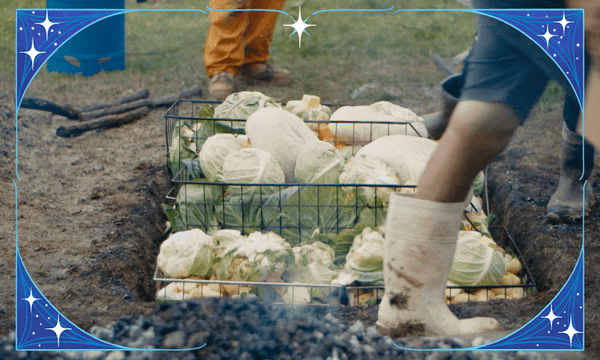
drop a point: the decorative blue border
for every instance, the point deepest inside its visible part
(40, 32)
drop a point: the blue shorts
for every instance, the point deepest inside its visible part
(506, 66)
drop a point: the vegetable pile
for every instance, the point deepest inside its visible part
(290, 196)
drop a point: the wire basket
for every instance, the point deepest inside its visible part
(297, 212)
(340, 133)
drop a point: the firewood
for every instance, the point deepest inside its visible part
(151, 103)
(102, 122)
(142, 94)
(47, 105)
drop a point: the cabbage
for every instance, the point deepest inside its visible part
(474, 263)
(318, 162)
(241, 105)
(213, 154)
(348, 152)
(478, 183)
(280, 133)
(296, 213)
(369, 170)
(326, 210)
(343, 122)
(406, 155)
(179, 148)
(252, 166)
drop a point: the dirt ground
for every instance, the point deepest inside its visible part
(90, 223)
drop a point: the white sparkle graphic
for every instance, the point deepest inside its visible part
(299, 27)
(571, 331)
(47, 24)
(30, 300)
(32, 53)
(547, 36)
(551, 317)
(58, 329)
(563, 22)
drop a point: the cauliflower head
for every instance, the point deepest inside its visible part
(366, 252)
(186, 253)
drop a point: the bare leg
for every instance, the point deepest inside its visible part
(478, 131)
(421, 232)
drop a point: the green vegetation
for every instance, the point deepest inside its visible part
(343, 52)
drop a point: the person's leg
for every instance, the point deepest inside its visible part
(500, 89)
(224, 48)
(259, 33)
(478, 131)
(257, 42)
(421, 232)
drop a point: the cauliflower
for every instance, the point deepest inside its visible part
(314, 262)
(186, 253)
(315, 252)
(366, 253)
(257, 257)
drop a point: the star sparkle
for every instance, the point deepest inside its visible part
(299, 27)
(551, 316)
(32, 53)
(47, 24)
(563, 22)
(571, 331)
(58, 329)
(30, 300)
(547, 36)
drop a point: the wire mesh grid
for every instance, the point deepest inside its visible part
(339, 133)
(296, 212)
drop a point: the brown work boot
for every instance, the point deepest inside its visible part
(265, 74)
(221, 85)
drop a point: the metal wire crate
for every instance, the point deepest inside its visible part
(293, 211)
(351, 295)
(186, 112)
(255, 205)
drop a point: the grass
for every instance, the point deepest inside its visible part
(344, 51)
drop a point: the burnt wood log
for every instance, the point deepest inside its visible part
(101, 123)
(142, 94)
(47, 105)
(150, 103)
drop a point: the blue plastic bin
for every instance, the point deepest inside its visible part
(98, 47)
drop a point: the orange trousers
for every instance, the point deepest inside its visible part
(239, 39)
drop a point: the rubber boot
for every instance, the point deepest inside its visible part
(567, 201)
(420, 241)
(450, 89)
